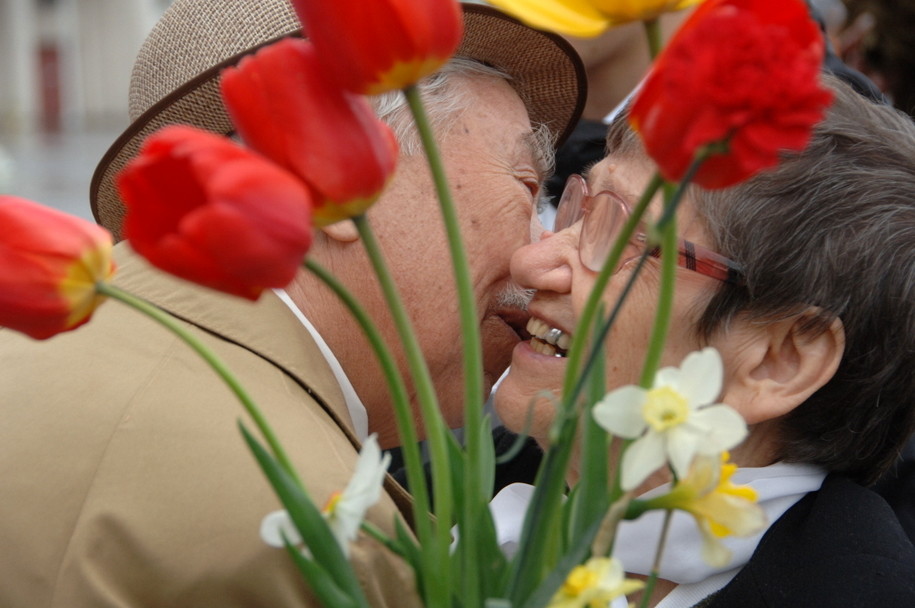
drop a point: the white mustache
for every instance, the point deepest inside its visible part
(514, 296)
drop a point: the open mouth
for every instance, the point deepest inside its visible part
(546, 340)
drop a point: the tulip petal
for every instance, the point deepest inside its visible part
(570, 17)
(50, 263)
(389, 44)
(196, 208)
(284, 106)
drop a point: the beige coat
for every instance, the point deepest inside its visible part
(124, 480)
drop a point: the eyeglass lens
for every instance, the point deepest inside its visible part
(603, 216)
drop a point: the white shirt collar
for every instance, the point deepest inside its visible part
(779, 487)
(354, 405)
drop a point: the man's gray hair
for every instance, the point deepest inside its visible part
(444, 97)
(829, 230)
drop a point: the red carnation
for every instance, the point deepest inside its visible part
(740, 72)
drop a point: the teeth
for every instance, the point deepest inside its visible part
(551, 335)
(536, 327)
(547, 340)
(543, 348)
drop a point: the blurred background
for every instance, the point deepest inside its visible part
(64, 73)
(65, 69)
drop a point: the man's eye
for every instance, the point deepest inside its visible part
(533, 186)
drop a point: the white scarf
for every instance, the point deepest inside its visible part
(779, 486)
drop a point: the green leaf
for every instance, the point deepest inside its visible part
(592, 493)
(309, 522)
(573, 557)
(321, 582)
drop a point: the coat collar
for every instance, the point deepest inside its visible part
(266, 327)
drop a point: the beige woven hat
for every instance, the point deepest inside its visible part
(175, 79)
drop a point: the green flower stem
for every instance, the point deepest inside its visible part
(437, 580)
(702, 154)
(399, 397)
(653, 33)
(470, 330)
(665, 296)
(172, 324)
(538, 537)
(598, 336)
(582, 335)
(474, 498)
(667, 226)
(656, 567)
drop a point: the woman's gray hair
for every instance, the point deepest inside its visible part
(829, 230)
(443, 97)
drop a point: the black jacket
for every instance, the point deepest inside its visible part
(839, 546)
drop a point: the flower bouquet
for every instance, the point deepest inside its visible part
(736, 86)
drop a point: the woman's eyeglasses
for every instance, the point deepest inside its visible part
(604, 215)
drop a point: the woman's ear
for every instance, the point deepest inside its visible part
(344, 231)
(773, 367)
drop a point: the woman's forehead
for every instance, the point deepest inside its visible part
(627, 177)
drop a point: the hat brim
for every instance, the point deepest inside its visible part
(545, 70)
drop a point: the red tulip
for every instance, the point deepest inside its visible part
(285, 108)
(743, 72)
(50, 263)
(373, 46)
(208, 210)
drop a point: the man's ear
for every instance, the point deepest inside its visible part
(774, 367)
(343, 231)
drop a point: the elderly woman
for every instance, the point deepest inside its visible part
(817, 336)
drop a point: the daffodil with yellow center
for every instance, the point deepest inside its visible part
(720, 507)
(587, 18)
(665, 408)
(344, 510)
(594, 584)
(673, 420)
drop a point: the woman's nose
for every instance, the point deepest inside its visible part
(546, 264)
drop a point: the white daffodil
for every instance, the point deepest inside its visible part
(595, 583)
(720, 507)
(674, 420)
(345, 510)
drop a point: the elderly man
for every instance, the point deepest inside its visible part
(125, 481)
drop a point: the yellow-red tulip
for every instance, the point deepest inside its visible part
(284, 107)
(587, 18)
(209, 211)
(372, 46)
(50, 263)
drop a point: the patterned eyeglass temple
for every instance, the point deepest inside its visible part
(707, 262)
